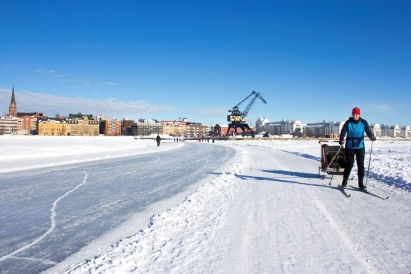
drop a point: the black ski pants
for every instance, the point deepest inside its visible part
(349, 161)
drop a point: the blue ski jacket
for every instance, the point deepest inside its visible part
(354, 129)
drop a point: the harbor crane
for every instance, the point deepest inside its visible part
(237, 117)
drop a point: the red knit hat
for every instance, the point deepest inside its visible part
(356, 111)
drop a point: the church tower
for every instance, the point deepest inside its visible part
(13, 105)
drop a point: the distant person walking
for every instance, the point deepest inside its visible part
(158, 139)
(354, 128)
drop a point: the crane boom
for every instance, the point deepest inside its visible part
(245, 112)
(237, 118)
(237, 115)
(245, 99)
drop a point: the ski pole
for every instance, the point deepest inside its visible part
(369, 161)
(335, 165)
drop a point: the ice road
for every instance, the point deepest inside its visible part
(51, 213)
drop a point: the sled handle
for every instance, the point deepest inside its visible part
(321, 141)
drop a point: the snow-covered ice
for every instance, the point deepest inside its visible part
(267, 211)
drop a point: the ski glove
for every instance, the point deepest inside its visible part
(373, 138)
(342, 142)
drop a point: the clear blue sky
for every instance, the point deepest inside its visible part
(310, 60)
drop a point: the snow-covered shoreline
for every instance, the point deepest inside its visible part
(255, 196)
(27, 152)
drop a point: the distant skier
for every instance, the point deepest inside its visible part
(158, 139)
(354, 145)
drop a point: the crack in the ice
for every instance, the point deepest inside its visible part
(52, 220)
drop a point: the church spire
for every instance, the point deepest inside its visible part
(13, 105)
(13, 99)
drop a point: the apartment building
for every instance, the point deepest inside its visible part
(376, 129)
(126, 127)
(406, 132)
(293, 127)
(145, 127)
(390, 131)
(68, 127)
(52, 127)
(197, 129)
(260, 124)
(9, 124)
(110, 127)
(174, 127)
(323, 129)
(82, 127)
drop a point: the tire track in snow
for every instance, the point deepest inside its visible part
(52, 224)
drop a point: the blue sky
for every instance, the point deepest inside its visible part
(310, 60)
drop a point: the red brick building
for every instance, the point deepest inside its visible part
(110, 127)
(220, 130)
(28, 119)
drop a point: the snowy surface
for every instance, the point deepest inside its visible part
(267, 211)
(23, 152)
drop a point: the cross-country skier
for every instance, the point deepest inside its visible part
(158, 139)
(354, 128)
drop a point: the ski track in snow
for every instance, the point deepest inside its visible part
(169, 240)
(52, 226)
(347, 239)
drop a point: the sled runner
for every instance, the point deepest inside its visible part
(332, 159)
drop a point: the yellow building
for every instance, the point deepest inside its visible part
(174, 128)
(52, 127)
(70, 127)
(197, 129)
(82, 127)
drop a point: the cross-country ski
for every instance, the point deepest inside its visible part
(344, 190)
(369, 192)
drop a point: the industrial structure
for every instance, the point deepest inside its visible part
(237, 117)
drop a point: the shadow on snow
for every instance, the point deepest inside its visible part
(288, 174)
